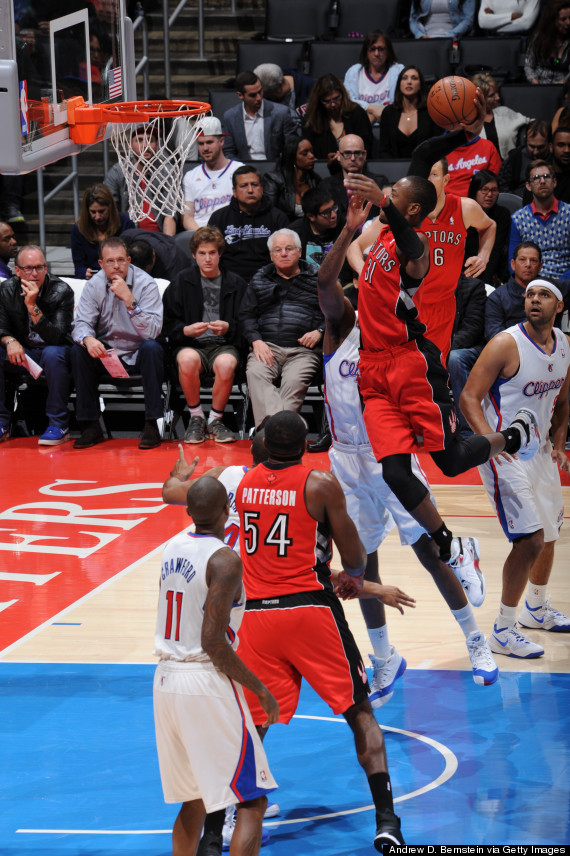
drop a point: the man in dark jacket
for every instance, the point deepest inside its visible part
(467, 338)
(246, 224)
(200, 324)
(36, 312)
(281, 319)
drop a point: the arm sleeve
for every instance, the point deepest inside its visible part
(472, 322)
(467, 14)
(514, 239)
(407, 239)
(55, 328)
(351, 84)
(247, 316)
(417, 28)
(78, 253)
(427, 153)
(494, 317)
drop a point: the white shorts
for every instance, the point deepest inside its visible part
(526, 495)
(371, 504)
(208, 747)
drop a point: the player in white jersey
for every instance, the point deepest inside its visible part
(202, 722)
(369, 501)
(527, 365)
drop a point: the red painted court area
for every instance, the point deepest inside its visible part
(70, 521)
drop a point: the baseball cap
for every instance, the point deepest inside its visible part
(210, 127)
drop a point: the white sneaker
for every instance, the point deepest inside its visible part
(230, 825)
(508, 641)
(272, 810)
(525, 422)
(386, 673)
(544, 617)
(464, 562)
(485, 671)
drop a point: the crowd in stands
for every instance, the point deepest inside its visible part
(264, 205)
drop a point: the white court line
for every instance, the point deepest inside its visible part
(451, 765)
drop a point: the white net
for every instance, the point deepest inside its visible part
(152, 156)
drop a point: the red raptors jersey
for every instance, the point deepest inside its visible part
(446, 238)
(386, 311)
(283, 549)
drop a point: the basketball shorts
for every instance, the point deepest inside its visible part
(408, 405)
(370, 502)
(208, 747)
(305, 635)
(526, 495)
(439, 319)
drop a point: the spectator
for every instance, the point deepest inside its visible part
(371, 82)
(282, 322)
(209, 186)
(166, 258)
(406, 123)
(547, 57)
(351, 156)
(505, 305)
(246, 224)
(98, 219)
(120, 309)
(561, 161)
(200, 324)
(330, 116)
(512, 175)
(295, 175)
(448, 20)
(507, 17)
(36, 311)
(562, 115)
(467, 339)
(144, 145)
(319, 228)
(466, 160)
(502, 124)
(285, 85)
(8, 249)
(257, 129)
(484, 189)
(545, 220)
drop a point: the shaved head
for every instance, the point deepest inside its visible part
(206, 500)
(285, 434)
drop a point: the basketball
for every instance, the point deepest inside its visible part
(450, 101)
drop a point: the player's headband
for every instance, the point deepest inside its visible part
(545, 284)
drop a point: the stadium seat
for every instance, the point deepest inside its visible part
(296, 18)
(393, 169)
(221, 100)
(538, 102)
(501, 57)
(432, 56)
(511, 201)
(361, 16)
(333, 57)
(290, 53)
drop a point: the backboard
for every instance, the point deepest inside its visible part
(50, 51)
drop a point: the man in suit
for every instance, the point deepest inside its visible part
(257, 129)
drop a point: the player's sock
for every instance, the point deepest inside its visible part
(465, 619)
(381, 790)
(443, 539)
(535, 595)
(507, 615)
(215, 822)
(379, 640)
(196, 410)
(214, 414)
(512, 440)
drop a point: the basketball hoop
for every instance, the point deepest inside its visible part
(155, 171)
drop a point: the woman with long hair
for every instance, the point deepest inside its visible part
(484, 189)
(98, 219)
(331, 115)
(501, 124)
(547, 58)
(445, 19)
(287, 185)
(371, 82)
(406, 123)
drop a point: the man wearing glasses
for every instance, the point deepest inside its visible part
(352, 158)
(36, 312)
(319, 228)
(546, 220)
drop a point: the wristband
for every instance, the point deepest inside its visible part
(355, 572)
(9, 342)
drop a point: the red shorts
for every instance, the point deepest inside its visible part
(439, 319)
(408, 405)
(298, 636)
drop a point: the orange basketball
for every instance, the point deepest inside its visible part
(450, 101)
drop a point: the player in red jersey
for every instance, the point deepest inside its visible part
(294, 625)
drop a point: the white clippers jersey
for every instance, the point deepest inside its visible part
(342, 398)
(183, 592)
(207, 190)
(230, 478)
(535, 386)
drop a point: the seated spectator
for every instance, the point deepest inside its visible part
(467, 338)
(562, 115)
(512, 175)
(502, 124)
(547, 58)
(98, 219)
(144, 145)
(466, 160)
(330, 116)
(435, 19)
(484, 189)
(371, 82)
(209, 186)
(257, 129)
(505, 305)
(319, 228)
(507, 17)
(546, 220)
(561, 161)
(8, 249)
(281, 320)
(295, 175)
(285, 85)
(406, 123)
(351, 156)
(166, 258)
(200, 325)
(246, 223)
(36, 311)
(120, 309)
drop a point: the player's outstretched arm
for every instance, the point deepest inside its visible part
(224, 578)
(355, 252)
(175, 488)
(390, 595)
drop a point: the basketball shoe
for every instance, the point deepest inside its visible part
(230, 825)
(508, 641)
(388, 831)
(385, 675)
(464, 562)
(485, 671)
(544, 617)
(526, 424)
